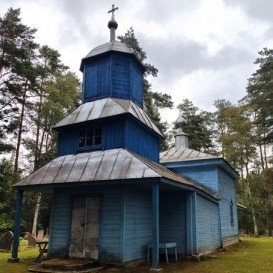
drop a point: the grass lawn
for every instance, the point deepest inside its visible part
(250, 256)
(25, 254)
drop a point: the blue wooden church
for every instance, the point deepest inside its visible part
(111, 196)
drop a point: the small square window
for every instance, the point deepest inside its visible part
(90, 137)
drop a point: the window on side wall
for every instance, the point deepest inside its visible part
(90, 138)
(231, 213)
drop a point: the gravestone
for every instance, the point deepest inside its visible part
(40, 235)
(6, 240)
(27, 234)
(31, 241)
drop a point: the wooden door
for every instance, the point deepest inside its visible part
(84, 240)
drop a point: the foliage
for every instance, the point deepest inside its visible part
(260, 92)
(37, 91)
(7, 206)
(17, 49)
(198, 125)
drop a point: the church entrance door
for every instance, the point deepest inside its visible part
(84, 240)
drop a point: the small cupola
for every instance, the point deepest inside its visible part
(112, 70)
(181, 138)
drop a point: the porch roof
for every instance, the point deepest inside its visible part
(115, 164)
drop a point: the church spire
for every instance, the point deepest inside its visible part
(181, 138)
(112, 24)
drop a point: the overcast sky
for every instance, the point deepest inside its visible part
(204, 49)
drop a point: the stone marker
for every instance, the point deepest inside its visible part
(6, 240)
(31, 241)
(40, 235)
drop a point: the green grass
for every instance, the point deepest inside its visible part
(250, 256)
(26, 255)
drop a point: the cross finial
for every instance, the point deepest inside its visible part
(113, 11)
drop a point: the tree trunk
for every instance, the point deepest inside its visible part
(19, 137)
(253, 212)
(36, 214)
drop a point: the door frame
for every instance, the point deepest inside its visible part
(86, 195)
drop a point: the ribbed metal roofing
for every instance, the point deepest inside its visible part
(115, 164)
(183, 154)
(107, 107)
(111, 46)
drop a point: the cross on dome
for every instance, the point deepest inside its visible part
(112, 24)
(113, 11)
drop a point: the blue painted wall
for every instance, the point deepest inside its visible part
(60, 225)
(173, 219)
(226, 194)
(96, 82)
(119, 132)
(208, 235)
(137, 223)
(206, 175)
(111, 226)
(113, 74)
(141, 141)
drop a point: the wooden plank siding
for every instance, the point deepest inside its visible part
(60, 225)
(172, 219)
(227, 193)
(137, 223)
(96, 79)
(136, 78)
(120, 132)
(111, 226)
(114, 75)
(120, 77)
(207, 225)
(205, 175)
(139, 140)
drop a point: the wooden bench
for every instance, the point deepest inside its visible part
(164, 246)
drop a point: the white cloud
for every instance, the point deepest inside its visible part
(204, 49)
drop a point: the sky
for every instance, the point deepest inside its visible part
(204, 49)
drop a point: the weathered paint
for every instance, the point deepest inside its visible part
(84, 238)
(227, 193)
(207, 225)
(60, 225)
(111, 226)
(137, 223)
(173, 219)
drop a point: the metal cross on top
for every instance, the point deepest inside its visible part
(113, 10)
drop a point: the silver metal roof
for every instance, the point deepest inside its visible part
(115, 164)
(111, 46)
(107, 107)
(183, 154)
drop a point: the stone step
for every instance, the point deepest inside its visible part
(37, 269)
(66, 266)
